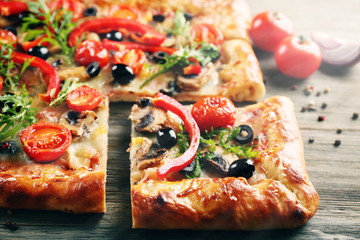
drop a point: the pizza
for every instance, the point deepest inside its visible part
(214, 166)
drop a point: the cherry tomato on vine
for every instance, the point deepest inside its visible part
(7, 37)
(124, 11)
(297, 57)
(70, 5)
(45, 141)
(84, 98)
(268, 29)
(134, 58)
(207, 33)
(214, 112)
(89, 51)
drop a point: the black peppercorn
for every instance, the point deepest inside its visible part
(337, 143)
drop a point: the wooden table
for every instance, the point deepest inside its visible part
(335, 171)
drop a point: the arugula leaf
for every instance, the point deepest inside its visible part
(7, 67)
(15, 114)
(67, 87)
(203, 53)
(57, 25)
(181, 27)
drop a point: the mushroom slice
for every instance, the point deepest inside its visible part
(195, 83)
(148, 119)
(81, 125)
(152, 160)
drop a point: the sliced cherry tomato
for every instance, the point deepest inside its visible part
(45, 141)
(7, 37)
(1, 82)
(71, 5)
(297, 57)
(124, 11)
(268, 29)
(84, 98)
(207, 33)
(89, 51)
(134, 58)
(214, 112)
(192, 69)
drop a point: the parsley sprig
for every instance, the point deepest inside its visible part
(7, 67)
(15, 113)
(209, 140)
(56, 25)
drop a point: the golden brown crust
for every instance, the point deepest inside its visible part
(285, 198)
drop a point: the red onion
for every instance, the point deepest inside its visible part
(337, 51)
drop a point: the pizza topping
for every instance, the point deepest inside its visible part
(134, 58)
(122, 73)
(114, 36)
(166, 137)
(144, 102)
(45, 141)
(11, 29)
(15, 113)
(148, 119)
(218, 163)
(195, 80)
(7, 37)
(89, 51)
(245, 135)
(73, 6)
(93, 69)
(77, 123)
(158, 18)
(160, 57)
(13, 7)
(68, 86)
(8, 147)
(242, 168)
(40, 52)
(180, 162)
(84, 98)
(152, 160)
(139, 32)
(207, 33)
(125, 11)
(90, 11)
(72, 117)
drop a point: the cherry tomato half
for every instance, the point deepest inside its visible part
(45, 141)
(124, 11)
(214, 112)
(7, 37)
(268, 29)
(192, 69)
(207, 33)
(70, 5)
(1, 82)
(89, 51)
(297, 57)
(84, 98)
(134, 58)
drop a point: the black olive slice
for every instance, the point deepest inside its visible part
(90, 11)
(93, 69)
(11, 29)
(144, 102)
(72, 117)
(114, 36)
(242, 168)
(166, 137)
(158, 18)
(159, 57)
(56, 63)
(123, 74)
(188, 16)
(39, 51)
(246, 134)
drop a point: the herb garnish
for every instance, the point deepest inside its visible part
(181, 27)
(7, 67)
(56, 25)
(16, 113)
(209, 140)
(67, 87)
(202, 52)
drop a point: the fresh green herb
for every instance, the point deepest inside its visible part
(56, 25)
(203, 53)
(8, 68)
(181, 27)
(67, 87)
(16, 113)
(209, 140)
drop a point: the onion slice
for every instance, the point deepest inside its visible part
(337, 51)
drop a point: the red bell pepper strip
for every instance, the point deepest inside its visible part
(147, 35)
(30, 44)
(9, 8)
(192, 69)
(122, 46)
(1, 82)
(180, 162)
(46, 70)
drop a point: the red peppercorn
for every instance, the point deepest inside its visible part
(321, 118)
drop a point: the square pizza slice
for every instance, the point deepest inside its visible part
(248, 177)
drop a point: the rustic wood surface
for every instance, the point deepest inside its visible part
(335, 171)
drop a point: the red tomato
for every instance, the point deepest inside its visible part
(84, 98)
(45, 141)
(268, 29)
(192, 69)
(297, 57)
(124, 11)
(71, 5)
(214, 112)
(134, 58)
(89, 51)
(207, 33)
(7, 37)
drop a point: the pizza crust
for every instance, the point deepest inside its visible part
(282, 197)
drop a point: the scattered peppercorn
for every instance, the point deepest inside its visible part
(321, 118)
(355, 116)
(303, 109)
(311, 108)
(311, 140)
(308, 90)
(318, 93)
(293, 87)
(323, 106)
(337, 143)
(339, 131)
(12, 226)
(327, 90)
